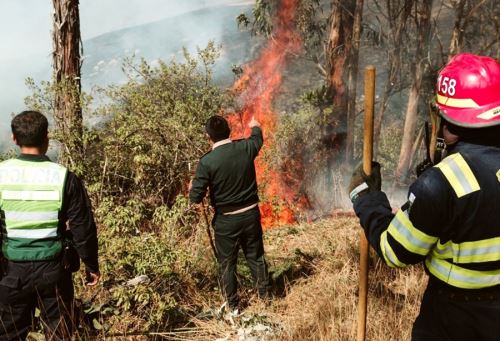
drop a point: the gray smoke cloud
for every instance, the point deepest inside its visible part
(25, 35)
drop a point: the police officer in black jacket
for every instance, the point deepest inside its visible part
(39, 200)
(228, 172)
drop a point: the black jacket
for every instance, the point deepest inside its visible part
(451, 220)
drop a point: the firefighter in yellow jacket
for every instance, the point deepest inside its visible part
(451, 220)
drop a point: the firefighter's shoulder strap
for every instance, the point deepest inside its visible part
(459, 174)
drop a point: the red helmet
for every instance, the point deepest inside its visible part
(468, 91)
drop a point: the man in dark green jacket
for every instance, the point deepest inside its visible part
(228, 172)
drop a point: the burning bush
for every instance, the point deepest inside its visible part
(300, 151)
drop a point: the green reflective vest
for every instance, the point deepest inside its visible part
(31, 196)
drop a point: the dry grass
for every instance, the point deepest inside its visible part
(320, 301)
(315, 266)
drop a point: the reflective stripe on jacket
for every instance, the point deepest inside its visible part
(452, 220)
(31, 196)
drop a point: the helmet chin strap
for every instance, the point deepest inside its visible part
(441, 143)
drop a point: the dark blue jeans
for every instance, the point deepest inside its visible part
(443, 318)
(232, 232)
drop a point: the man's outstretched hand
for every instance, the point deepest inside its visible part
(253, 123)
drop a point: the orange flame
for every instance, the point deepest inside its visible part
(258, 85)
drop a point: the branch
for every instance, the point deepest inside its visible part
(321, 70)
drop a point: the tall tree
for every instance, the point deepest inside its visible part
(66, 65)
(338, 48)
(396, 13)
(342, 62)
(352, 78)
(332, 43)
(458, 28)
(476, 27)
(423, 24)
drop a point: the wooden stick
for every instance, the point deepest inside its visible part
(208, 227)
(367, 168)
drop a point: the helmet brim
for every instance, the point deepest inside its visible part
(480, 117)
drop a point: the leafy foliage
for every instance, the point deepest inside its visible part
(300, 150)
(67, 136)
(141, 149)
(153, 133)
(262, 18)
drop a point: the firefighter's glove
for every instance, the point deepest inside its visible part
(361, 183)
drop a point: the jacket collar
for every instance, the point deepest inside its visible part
(220, 143)
(31, 157)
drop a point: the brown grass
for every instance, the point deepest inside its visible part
(316, 267)
(322, 305)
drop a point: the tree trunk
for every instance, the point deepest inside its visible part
(458, 29)
(352, 80)
(66, 64)
(338, 53)
(423, 22)
(397, 20)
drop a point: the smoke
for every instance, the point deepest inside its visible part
(110, 30)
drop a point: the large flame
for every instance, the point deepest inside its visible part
(256, 88)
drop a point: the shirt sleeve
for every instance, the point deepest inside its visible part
(375, 214)
(78, 212)
(255, 141)
(409, 235)
(200, 183)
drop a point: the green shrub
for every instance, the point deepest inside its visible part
(120, 219)
(300, 153)
(154, 130)
(147, 134)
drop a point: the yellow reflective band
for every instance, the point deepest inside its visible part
(460, 277)
(488, 115)
(31, 216)
(487, 250)
(443, 251)
(457, 102)
(31, 195)
(459, 175)
(389, 256)
(50, 175)
(32, 233)
(412, 239)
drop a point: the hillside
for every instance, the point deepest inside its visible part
(165, 40)
(103, 55)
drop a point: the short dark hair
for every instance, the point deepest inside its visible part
(217, 128)
(30, 128)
